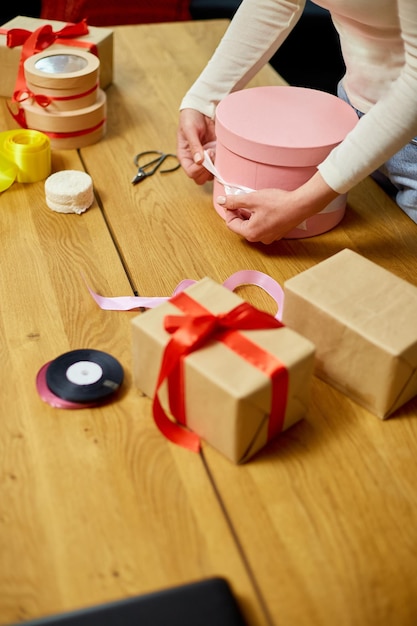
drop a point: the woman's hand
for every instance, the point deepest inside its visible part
(269, 214)
(195, 130)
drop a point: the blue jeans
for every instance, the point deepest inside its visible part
(398, 176)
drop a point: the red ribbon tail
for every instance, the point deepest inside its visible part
(19, 117)
(173, 431)
(15, 36)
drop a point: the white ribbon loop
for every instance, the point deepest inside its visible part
(230, 188)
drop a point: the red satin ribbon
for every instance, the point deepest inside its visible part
(20, 118)
(44, 101)
(46, 36)
(78, 133)
(189, 333)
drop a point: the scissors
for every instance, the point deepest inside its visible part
(150, 167)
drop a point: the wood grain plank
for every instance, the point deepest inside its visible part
(94, 506)
(325, 515)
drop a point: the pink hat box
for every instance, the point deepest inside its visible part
(275, 137)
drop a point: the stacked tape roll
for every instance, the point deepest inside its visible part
(42, 118)
(69, 191)
(65, 101)
(25, 157)
(69, 79)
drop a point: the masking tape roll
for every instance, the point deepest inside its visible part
(47, 121)
(25, 157)
(65, 99)
(69, 191)
(75, 69)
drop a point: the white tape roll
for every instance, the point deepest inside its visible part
(69, 191)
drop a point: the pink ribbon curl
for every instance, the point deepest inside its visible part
(238, 279)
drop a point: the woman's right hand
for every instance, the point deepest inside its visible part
(195, 131)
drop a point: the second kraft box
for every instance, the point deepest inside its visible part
(361, 319)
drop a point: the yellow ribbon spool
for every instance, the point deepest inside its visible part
(25, 157)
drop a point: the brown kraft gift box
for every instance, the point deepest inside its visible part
(10, 57)
(361, 319)
(227, 399)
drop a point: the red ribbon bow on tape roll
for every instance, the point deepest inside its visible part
(194, 329)
(37, 41)
(42, 101)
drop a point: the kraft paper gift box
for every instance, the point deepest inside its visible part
(361, 319)
(227, 399)
(10, 57)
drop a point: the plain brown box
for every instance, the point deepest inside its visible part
(227, 399)
(362, 320)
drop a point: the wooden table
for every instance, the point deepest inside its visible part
(95, 505)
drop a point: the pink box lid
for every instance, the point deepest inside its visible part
(292, 126)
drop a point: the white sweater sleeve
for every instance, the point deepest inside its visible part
(388, 125)
(255, 33)
(259, 28)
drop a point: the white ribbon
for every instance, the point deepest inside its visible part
(230, 188)
(235, 190)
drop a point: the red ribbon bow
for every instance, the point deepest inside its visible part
(44, 36)
(194, 329)
(42, 101)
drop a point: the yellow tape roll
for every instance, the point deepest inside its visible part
(25, 157)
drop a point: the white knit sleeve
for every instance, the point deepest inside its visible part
(256, 31)
(390, 124)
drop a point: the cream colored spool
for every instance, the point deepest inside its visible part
(47, 121)
(69, 191)
(65, 99)
(76, 70)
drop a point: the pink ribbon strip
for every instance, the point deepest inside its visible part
(238, 279)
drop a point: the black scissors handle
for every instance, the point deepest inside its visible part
(149, 168)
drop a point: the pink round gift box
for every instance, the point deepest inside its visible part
(275, 137)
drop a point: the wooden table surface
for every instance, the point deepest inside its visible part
(95, 505)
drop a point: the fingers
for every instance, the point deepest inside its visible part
(194, 130)
(244, 217)
(241, 226)
(191, 164)
(239, 202)
(247, 229)
(237, 215)
(200, 175)
(195, 150)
